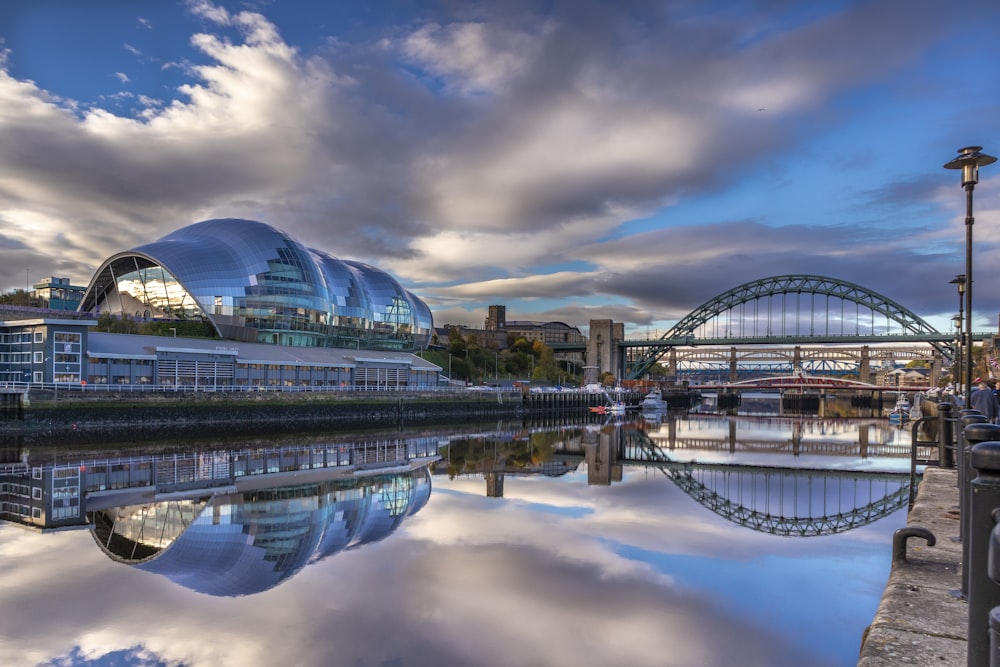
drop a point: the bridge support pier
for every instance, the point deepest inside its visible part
(864, 367)
(603, 350)
(733, 370)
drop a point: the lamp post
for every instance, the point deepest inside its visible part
(969, 160)
(958, 352)
(959, 282)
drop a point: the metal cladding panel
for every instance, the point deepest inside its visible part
(255, 263)
(348, 293)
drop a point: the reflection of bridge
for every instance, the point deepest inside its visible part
(774, 499)
(780, 324)
(780, 501)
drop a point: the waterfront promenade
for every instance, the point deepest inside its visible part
(921, 620)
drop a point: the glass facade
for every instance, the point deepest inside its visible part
(255, 283)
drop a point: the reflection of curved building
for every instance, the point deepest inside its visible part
(255, 283)
(242, 543)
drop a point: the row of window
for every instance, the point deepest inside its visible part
(37, 357)
(21, 338)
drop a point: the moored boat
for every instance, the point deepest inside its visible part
(653, 401)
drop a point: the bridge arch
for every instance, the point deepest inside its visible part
(797, 284)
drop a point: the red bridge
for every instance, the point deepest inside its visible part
(806, 382)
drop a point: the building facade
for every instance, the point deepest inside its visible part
(58, 294)
(67, 351)
(254, 283)
(44, 350)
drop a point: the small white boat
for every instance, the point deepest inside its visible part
(901, 411)
(653, 401)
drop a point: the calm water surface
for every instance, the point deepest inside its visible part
(551, 545)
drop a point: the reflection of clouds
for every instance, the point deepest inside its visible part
(637, 574)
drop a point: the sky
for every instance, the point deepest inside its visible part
(570, 159)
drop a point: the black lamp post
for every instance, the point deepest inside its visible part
(969, 160)
(959, 281)
(958, 351)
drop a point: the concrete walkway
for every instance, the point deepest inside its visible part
(921, 620)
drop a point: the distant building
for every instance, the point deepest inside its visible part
(548, 332)
(499, 331)
(497, 318)
(58, 294)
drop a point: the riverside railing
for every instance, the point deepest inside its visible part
(79, 388)
(977, 458)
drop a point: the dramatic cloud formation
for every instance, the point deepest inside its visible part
(626, 160)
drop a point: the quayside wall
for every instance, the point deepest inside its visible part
(55, 411)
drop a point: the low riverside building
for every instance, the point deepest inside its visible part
(56, 350)
(122, 359)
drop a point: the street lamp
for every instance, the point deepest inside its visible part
(959, 282)
(958, 351)
(969, 160)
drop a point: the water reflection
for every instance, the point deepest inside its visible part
(541, 544)
(227, 523)
(840, 493)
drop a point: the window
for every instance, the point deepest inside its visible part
(39, 337)
(36, 493)
(38, 357)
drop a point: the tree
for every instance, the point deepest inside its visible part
(19, 297)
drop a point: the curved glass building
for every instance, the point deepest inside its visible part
(255, 283)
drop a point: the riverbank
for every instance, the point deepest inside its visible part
(53, 414)
(920, 620)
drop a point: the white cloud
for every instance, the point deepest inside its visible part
(472, 57)
(478, 151)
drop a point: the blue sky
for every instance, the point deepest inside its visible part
(570, 159)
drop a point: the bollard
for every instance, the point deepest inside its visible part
(983, 593)
(946, 436)
(900, 537)
(993, 570)
(995, 637)
(973, 435)
(966, 419)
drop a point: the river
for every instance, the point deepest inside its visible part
(686, 539)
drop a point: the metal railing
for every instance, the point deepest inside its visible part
(968, 442)
(78, 388)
